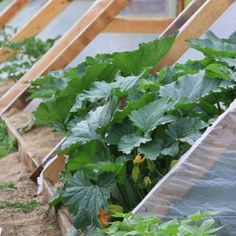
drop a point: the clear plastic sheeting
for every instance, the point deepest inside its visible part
(26, 13)
(151, 8)
(66, 19)
(204, 179)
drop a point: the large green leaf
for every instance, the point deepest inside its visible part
(130, 141)
(147, 56)
(84, 199)
(54, 112)
(191, 88)
(87, 130)
(186, 129)
(152, 115)
(213, 46)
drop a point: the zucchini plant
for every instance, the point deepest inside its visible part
(126, 127)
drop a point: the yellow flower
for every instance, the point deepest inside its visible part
(138, 159)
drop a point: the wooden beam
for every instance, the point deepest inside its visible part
(11, 11)
(194, 28)
(180, 6)
(46, 14)
(183, 18)
(138, 25)
(94, 21)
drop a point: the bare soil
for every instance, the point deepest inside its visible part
(5, 85)
(39, 140)
(16, 223)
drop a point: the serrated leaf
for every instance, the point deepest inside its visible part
(213, 46)
(85, 199)
(148, 55)
(186, 129)
(191, 88)
(152, 115)
(130, 141)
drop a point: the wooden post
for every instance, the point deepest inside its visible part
(180, 6)
(46, 14)
(11, 11)
(68, 47)
(194, 28)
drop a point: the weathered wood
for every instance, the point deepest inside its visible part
(183, 17)
(11, 11)
(68, 47)
(46, 14)
(194, 28)
(138, 25)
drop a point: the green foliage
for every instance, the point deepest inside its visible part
(6, 144)
(198, 224)
(7, 186)
(21, 54)
(124, 123)
(18, 205)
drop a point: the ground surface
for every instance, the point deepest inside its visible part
(14, 222)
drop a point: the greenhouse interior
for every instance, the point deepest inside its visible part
(117, 117)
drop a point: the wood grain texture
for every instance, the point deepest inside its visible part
(11, 11)
(138, 25)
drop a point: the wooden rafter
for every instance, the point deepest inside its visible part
(194, 28)
(138, 25)
(46, 14)
(67, 48)
(11, 11)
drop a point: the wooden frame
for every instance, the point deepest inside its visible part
(67, 48)
(46, 14)
(11, 11)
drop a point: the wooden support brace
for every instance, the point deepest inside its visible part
(194, 28)
(138, 25)
(46, 14)
(68, 47)
(11, 11)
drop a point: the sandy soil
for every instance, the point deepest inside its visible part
(39, 140)
(5, 86)
(15, 223)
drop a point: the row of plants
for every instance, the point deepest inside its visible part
(125, 126)
(6, 144)
(21, 54)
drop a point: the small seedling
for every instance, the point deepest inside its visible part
(8, 186)
(19, 205)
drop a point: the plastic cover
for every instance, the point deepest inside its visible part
(4, 4)
(205, 177)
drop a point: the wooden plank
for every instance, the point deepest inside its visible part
(46, 14)
(138, 25)
(11, 11)
(194, 28)
(68, 47)
(180, 6)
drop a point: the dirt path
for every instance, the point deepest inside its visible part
(14, 222)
